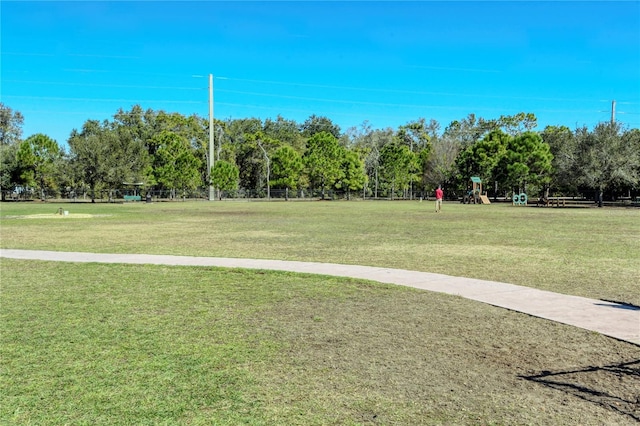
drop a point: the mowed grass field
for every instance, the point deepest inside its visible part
(136, 344)
(581, 251)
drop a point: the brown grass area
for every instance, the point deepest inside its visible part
(398, 356)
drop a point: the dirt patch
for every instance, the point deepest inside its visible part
(56, 216)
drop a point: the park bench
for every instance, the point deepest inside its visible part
(132, 198)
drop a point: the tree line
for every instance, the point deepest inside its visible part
(163, 151)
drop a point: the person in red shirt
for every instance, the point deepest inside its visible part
(439, 195)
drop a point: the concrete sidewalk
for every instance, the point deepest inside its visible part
(611, 319)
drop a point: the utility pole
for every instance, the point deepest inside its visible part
(613, 111)
(212, 190)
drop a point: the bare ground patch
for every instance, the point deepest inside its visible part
(57, 216)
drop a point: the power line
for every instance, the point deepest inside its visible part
(312, 85)
(411, 92)
(276, 111)
(122, 86)
(419, 108)
(303, 98)
(59, 98)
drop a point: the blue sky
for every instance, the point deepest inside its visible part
(385, 62)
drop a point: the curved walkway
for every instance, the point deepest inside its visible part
(611, 319)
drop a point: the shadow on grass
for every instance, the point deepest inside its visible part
(614, 387)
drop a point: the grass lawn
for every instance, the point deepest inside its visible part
(88, 344)
(581, 251)
(135, 344)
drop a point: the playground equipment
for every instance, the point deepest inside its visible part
(475, 195)
(519, 199)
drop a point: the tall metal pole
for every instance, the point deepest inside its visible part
(613, 112)
(212, 190)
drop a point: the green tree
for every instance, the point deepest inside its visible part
(240, 147)
(470, 129)
(353, 174)
(131, 161)
(224, 176)
(68, 180)
(517, 124)
(368, 142)
(286, 168)
(139, 124)
(10, 125)
(9, 168)
(397, 167)
(631, 138)
(374, 144)
(37, 157)
(317, 124)
(101, 157)
(91, 154)
(323, 160)
(415, 135)
(176, 165)
(606, 160)
(441, 165)
(285, 131)
(257, 151)
(482, 158)
(422, 169)
(563, 145)
(526, 162)
(10, 136)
